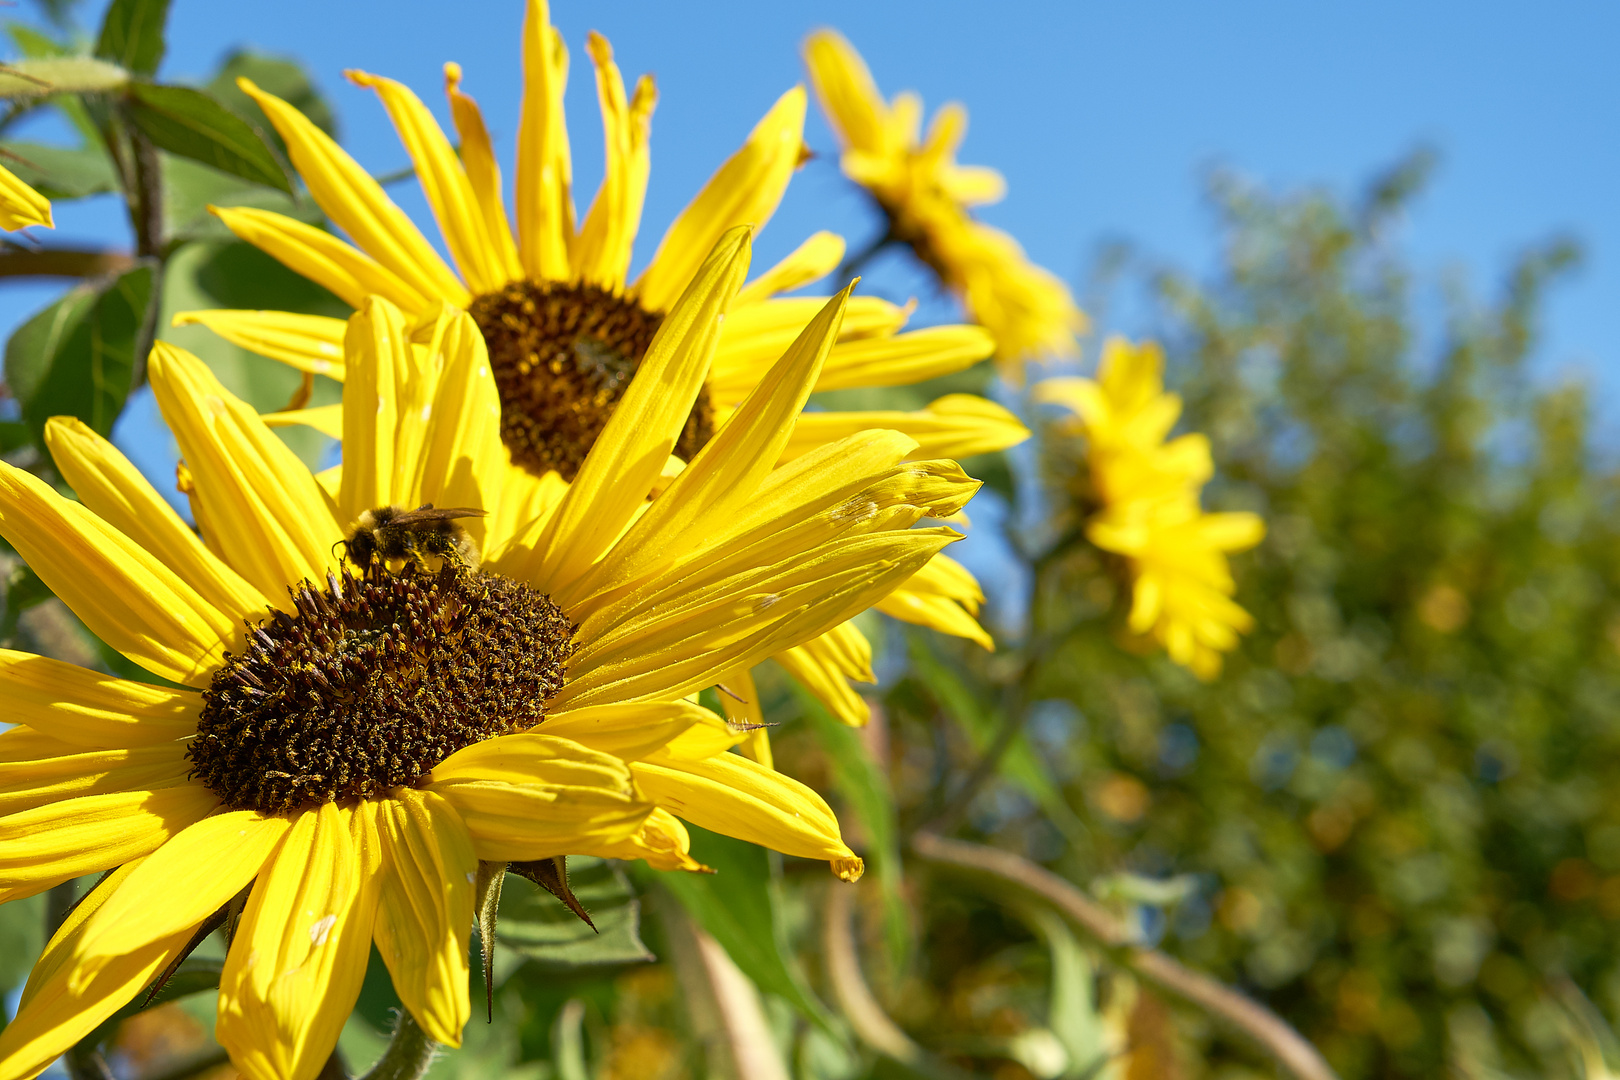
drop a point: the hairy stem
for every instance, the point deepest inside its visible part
(409, 1052)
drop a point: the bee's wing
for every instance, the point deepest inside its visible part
(431, 513)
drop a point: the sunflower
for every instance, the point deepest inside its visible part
(349, 722)
(20, 205)
(565, 327)
(926, 198)
(1144, 505)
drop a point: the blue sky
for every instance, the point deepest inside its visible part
(1102, 116)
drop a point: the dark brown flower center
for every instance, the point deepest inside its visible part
(563, 355)
(374, 680)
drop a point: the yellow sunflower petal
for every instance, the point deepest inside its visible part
(526, 502)
(690, 640)
(601, 252)
(725, 473)
(125, 596)
(257, 504)
(20, 205)
(178, 886)
(357, 204)
(459, 460)
(955, 426)
(810, 261)
(424, 907)
(662, 841)
(730, 794)
(115, 491)
(936, 612)
(296, 964)
(444, 182)
(629, 730)
(51, 1017)
(319, 256)
(50, 844)
(813, 670)
(545, 206)
(849, 96)
(613, 482)
(755, 335)
(326, 419)
(68, 772)
(381, 362)
(744, 191)
(484, 174)
(89, 709)
(906, 358)
(312, 343)
(531, 796)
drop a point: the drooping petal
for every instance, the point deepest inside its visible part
(357, 204)
(545, 202)
(444, 183)
(51, 1018)
(424, 907)
(601, 252)
(744, 191)
(613, 482)
(730, 794)
(484, 174)
(51, 844)
(826, 664)
(89, 709)
(178, 886)
(319, 256)
(312, 343)
(533, 796)
(295, 967)
(662, 841)
(109, 485)
(258, 505)
(125, 596)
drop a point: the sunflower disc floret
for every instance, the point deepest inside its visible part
(372, 681)
(563, 355)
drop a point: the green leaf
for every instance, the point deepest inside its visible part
(537, 925)
(190, 188)
(282, 77)
(76, 357)
(60, 75)
(1072, 1012)
(60, 172)
(866, 793)
(192, 124)
(738, 906)
(132, 34)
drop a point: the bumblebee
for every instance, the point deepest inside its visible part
(392, 532)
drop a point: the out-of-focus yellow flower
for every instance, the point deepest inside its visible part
(20, 205)
(926, 196)
(1147, 494)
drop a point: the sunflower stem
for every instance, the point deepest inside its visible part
(409, 1052)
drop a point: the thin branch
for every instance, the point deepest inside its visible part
(63, 262)
(1265, 1027)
